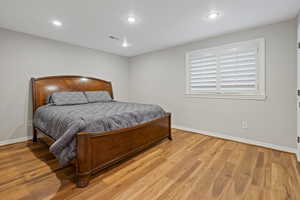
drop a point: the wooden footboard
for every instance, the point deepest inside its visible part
(96, 151)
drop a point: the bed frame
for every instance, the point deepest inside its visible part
(97, 151)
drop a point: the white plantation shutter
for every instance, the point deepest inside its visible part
(203, 73)
(238, 71)
(227, 70)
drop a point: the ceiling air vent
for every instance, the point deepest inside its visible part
(113, 37)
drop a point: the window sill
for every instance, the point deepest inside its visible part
(228, 96)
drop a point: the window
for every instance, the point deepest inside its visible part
(229, 71)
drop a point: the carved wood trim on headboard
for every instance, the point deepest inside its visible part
(44, 86)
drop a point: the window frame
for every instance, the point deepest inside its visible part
(260, 94)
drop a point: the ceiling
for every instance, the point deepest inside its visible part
(162, 23)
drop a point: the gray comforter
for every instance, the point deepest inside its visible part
(63, 122)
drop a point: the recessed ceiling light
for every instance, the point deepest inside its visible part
(131, 20)
(56, 23)
(125, 44)
(212, 15)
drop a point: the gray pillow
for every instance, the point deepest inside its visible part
(67, 98)
(98, 96)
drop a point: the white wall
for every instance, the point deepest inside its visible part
(23, 56)
(159, 77)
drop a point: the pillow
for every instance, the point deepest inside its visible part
(67, 98)
(98, 96)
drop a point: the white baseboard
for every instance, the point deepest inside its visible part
(238, 139)
(16, 140)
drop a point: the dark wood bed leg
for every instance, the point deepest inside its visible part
(83, 180)
(84, 160)
(34, 137)
(170, 130)
(33, 91)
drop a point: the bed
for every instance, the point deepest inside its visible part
(95, 151)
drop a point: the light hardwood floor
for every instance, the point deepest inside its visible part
(192, 166)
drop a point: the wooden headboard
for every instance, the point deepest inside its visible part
(44, 86)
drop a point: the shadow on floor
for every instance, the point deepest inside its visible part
(65, 175)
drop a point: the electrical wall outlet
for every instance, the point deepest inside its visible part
(244, 124)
